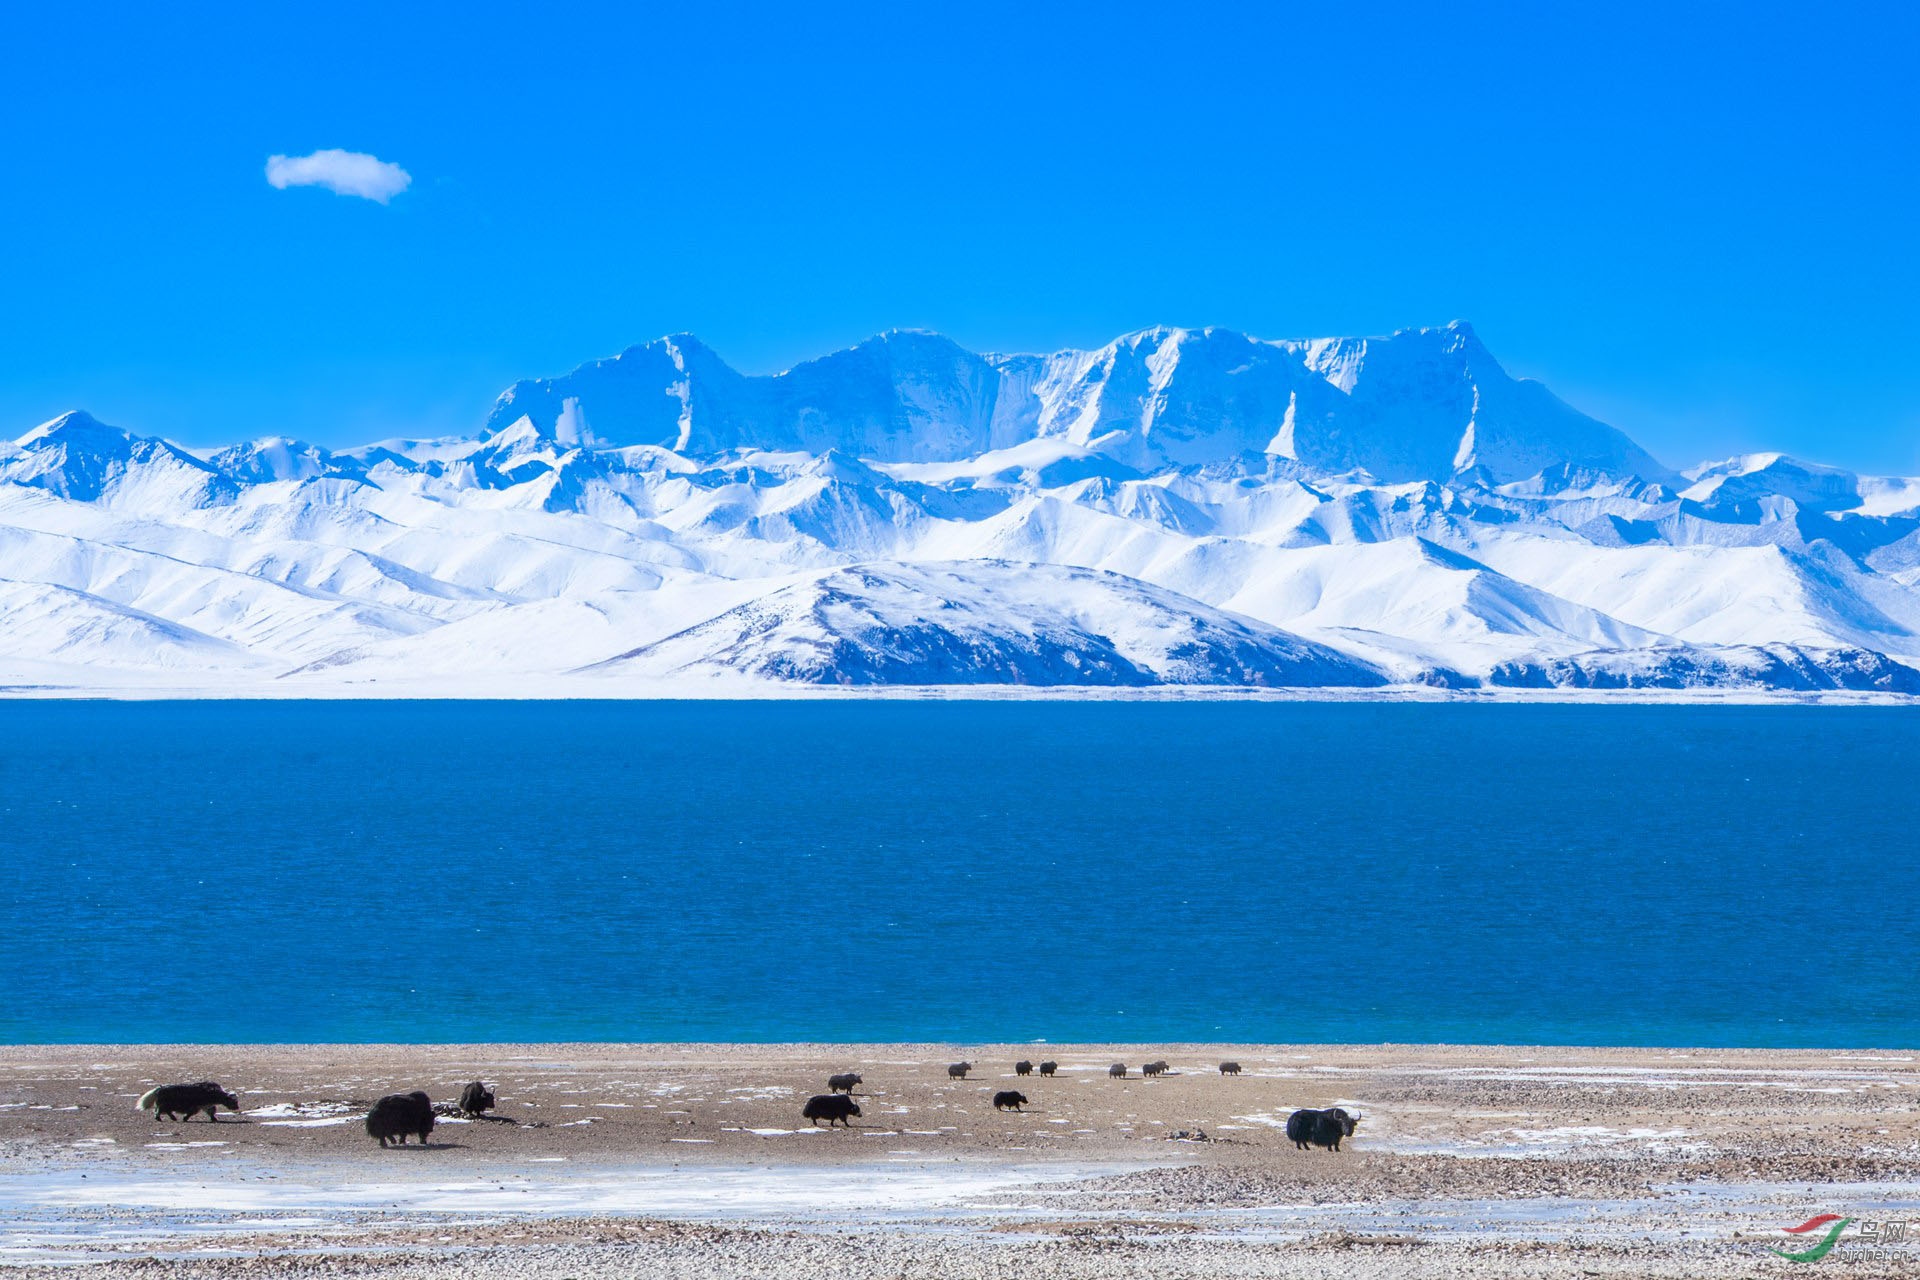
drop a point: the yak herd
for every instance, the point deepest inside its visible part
(399, 1116)
(1306, 1128)
(393, 1119)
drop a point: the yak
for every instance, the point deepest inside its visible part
(475, 1100)
(1118, 1070)
(1048, 1068)
(958, 1070)
(844, 1082)
(830, 1107)
(1307, 1127)
(399, 1114)
(185, 1101)
(1229, 1068)
(1008, 1100)
(1023, 1068)
(1153, 1069)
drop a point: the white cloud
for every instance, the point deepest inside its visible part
(345, 173)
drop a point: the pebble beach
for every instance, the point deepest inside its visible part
(693, 1160)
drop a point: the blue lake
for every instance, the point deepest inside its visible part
(959, 872)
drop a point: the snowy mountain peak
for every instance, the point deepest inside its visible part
(76, 427)
(1180, 506)
(1418, 404)
(81, 458)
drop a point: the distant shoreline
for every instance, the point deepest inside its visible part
(549, 689)
(15, 1051)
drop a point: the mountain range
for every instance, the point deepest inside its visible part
(1178, 508)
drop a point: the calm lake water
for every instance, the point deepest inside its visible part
(959, 872)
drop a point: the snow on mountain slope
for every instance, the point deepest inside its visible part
(1179, 506)
(79, 458)
(1424, 404)
(48, 628)
(1720, 595)
(901, 397)
(1773, 666)
(989, 622)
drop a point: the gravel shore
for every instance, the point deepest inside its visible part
(693, 1160)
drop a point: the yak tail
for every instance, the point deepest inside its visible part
(146, 1099)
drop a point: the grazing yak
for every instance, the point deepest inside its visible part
(1118, 1070)
(1229, 1068)
(1153, 1069)
(1048, 1068)
(1023, 1068)
(844, 1082)
(1008, 1100)
(958, 1070)
(830, 1107)
(475, 1100)
(1320, 1128)
(399, 1114)
(185, 1101)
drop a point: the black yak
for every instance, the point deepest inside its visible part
(1118, 1070)
(1007, 1099)
(1229, 1068)
(475, 1100)
(1153, 1069)
(830, 1107)
(1023, 1068)
(399, 1114)
(1320, 1128)
(185, 1101)
(1048, 1068)
(843, 1083)
(958, 1070)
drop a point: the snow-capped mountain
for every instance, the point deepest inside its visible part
(1425, 404)
(1176, 508)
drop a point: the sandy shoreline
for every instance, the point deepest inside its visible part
(693, 1160)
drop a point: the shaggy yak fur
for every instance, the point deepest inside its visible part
(1320, 1128)
(185, 1101)
(399, 1114)
(830, 1107)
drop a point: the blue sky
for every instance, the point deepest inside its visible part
(1701, 228)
